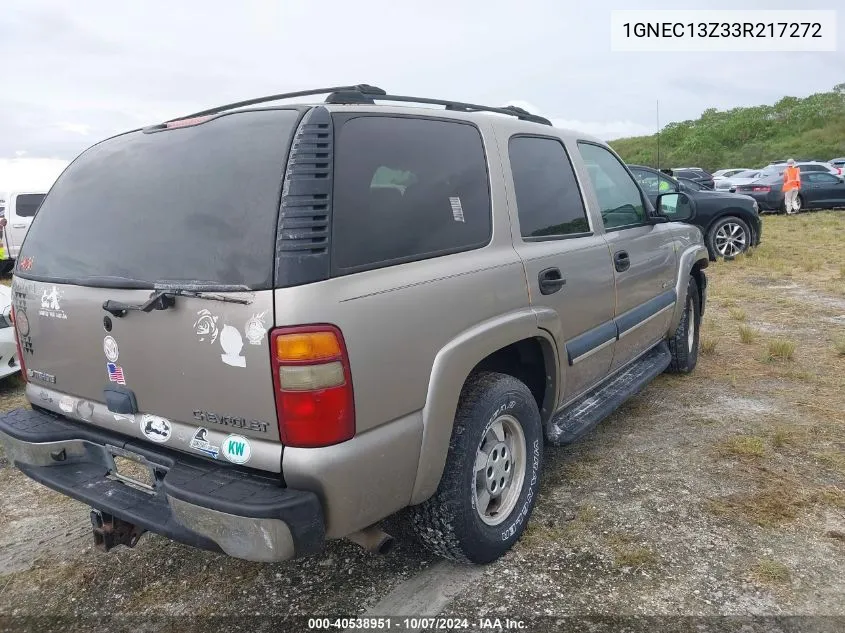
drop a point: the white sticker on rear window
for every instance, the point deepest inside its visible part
(457, 209)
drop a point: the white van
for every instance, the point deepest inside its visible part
(16, 212)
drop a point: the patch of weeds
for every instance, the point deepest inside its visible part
(781, 349)
(842, 271)
(742, 446)
(775, 504)
(839, 346)
(771, 572)
(784, 436)
(626, 553)
(834, 460)
(707, 345)
(738, 314)
(747, 334)
(812, 265)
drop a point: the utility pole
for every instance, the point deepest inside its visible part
(658, 135)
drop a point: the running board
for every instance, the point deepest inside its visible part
(581, 416)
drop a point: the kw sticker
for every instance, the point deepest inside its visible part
(50, 306)
(155, 428)
(256, 329)
(232, 343)
(115, 373)
(110, 349)
(200, 442)
(205, 327)
(236, 449)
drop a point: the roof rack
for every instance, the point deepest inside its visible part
(361, 89)
(365, 93)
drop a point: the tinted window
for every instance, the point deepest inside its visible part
(407, 189)
(692, 184)
(194, 203)
(27, 204)
(619, 197)
(813, 168)
(547, 195)
(823, 178)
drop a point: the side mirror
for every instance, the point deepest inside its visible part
(676, 207)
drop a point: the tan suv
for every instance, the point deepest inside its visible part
(255, 329)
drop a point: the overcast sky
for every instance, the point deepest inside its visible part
(76, 72)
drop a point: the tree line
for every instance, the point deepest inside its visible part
(812, 128)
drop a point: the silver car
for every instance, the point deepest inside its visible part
(259, 327)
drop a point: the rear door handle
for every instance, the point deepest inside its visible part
(550, 281)
(19, 226)
(621, 261)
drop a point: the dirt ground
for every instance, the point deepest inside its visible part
(716, 494)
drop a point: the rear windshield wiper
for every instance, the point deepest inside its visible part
(164, 297)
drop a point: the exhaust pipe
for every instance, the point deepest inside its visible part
(373, 539)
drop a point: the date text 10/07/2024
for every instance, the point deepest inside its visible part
(404, 623)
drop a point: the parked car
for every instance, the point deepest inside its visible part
(8, 347)
(730, 222)
(694, 173)
(805, 167)
(839, 164)
(819, 190)
(743, 177)
(723, 174)
(17, 208)
(361, 352)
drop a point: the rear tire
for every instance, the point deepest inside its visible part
(684, 343)
(728, 237)
(485, 496)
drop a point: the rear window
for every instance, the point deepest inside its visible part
(405, 189)
(26, 204)
(195, 203)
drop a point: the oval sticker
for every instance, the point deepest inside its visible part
(155, 428)
(236, 449)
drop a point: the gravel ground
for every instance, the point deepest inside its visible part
(708, 496)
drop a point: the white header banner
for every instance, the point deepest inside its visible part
(722, 31)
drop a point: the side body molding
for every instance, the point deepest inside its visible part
(451, 367)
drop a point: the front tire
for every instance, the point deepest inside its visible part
(492, 474)
(729, 237)
(684, 343)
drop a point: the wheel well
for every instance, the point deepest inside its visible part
(701, 281)
(531, 361)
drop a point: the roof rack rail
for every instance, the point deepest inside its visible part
(365, 93)
(361, 89)
(351, 97)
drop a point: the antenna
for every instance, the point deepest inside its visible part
(658, 135)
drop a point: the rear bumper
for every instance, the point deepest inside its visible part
(196, 502)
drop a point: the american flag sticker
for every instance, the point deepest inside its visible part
(116, 373)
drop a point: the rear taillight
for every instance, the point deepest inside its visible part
(314, 400)
(761, 189)
(18, 344)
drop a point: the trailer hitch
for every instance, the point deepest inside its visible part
(109, 531)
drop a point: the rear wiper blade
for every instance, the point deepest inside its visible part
(164, 297)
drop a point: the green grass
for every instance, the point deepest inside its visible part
(742, 446)
(781, 349)
(771, 572)
(738, 314)
(747, 334)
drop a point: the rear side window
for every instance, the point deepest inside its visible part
(198, 203)
(406, 189)
(27, 204)
(547, 196)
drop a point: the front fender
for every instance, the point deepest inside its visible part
(687, 259)
(452, 365)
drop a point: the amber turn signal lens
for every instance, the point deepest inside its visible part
(307, 346)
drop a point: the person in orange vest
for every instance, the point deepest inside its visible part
(791, 187)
